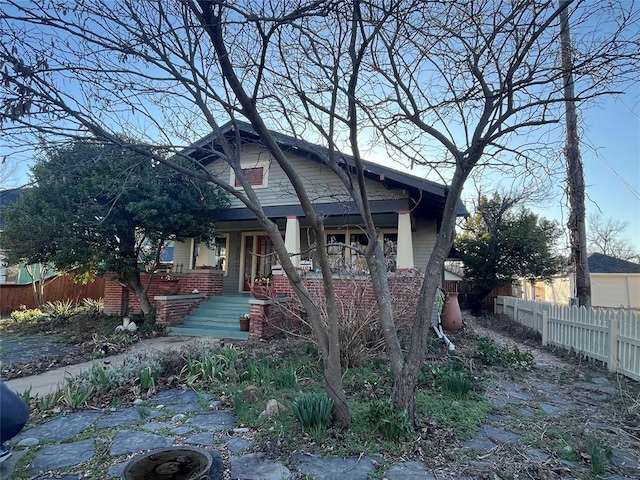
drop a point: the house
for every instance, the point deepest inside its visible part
(615, 283)
(406, 208)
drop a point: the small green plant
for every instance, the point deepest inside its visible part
(26, 395)
(390, 420)
(92, 305)
(313, 411)
(597, 455)
(257, 371)
(240, 407)
(457, 383)
(205, 370)
(147, 379)
(60, 308)
(285, 377)
(143, 412)
(98, 376)
(76, 395)
(490, 354)
(32, 315)
(230, 354)
(49, 401)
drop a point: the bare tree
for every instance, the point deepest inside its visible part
(575, 168)
(607, 236)
(456, 86)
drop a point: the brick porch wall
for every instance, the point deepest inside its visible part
(206, 282)
(171, 309)
(404, 285)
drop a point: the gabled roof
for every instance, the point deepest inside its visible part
(600, 263)
(419, 188)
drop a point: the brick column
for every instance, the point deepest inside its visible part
(113, 295)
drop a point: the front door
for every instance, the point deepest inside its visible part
(258, 257)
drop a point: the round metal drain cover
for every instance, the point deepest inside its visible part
(174, 463)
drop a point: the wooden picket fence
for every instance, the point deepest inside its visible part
(12, 297)
(609, 335)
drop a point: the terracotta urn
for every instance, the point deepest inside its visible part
(244, 324)
(169, 287)
(451, 318)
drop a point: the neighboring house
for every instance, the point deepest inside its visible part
(407, 209)
(615, 283)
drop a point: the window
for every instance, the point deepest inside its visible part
(257, 174)
(342, 258)
(390, 246)
(336, 252)
(218, 253)
(254, 175)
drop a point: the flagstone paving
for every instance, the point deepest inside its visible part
(64, 447)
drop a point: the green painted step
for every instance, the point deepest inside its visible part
(208, 332)
(217, 317)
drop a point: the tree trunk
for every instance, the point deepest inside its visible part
(575, 174)
(404, 387)
(333, 386)
(135, 285)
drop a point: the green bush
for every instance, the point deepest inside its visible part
(62, 309)
(313, 411)
(491, 354)
(390, 420)
(91, 305)
(32, 315)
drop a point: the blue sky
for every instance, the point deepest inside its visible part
(611, 155)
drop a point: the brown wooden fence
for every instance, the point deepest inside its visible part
(59, 288)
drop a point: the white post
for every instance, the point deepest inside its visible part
(292, 239)
(613, 342)
(404, 258)
(545, 328)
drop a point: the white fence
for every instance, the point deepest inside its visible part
(611, 336)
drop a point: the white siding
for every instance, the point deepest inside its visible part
(182, 254)
(321, 184)
(611, 290)
(615, 290)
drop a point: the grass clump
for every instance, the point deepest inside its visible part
(457, 383)
(388, 419)
(31, 315)
(313, 412)
(464, 417)
(598, 455)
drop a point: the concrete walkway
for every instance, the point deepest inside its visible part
(48, 382)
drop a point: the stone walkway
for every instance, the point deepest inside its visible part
(169, 418)
(499, 450)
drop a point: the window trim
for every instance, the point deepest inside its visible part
(246, 165)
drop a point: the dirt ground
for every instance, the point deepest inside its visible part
(566, 418)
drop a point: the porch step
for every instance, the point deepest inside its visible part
(208, 332)
(217, 317)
